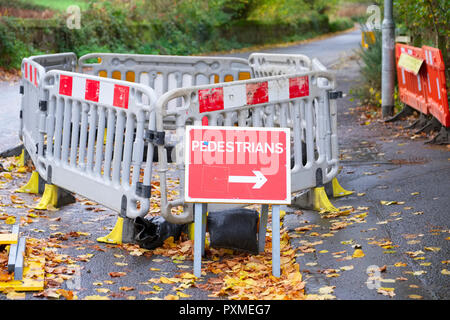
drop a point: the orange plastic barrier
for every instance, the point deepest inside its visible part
(437, 99)
(412, 88)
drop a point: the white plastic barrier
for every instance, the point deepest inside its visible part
(31, 129)
(267, 64)
(82, 138)
(255, 103)
(96, 129)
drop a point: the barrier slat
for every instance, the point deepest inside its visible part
(437, 99)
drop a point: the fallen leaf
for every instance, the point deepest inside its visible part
(400, 264)
(358, 253)
(121, 264)
(10, 220)
(102, 290)
(68, 294)
(183, 295)
(126, 288)
(327, 289)
(445, 271)
(386, 291)
(346, 268)
(13, 295)
(96, 297)
(414, 296)
(433, 249)
(117, 274)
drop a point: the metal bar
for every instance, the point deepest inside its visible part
(18, 268)
(262, 227)
(199, 212)
(13, 250)
(276, 241)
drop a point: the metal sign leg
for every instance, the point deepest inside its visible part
(276, 240)
(199, 236)
(262, 227)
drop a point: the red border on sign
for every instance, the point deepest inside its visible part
(216, 181)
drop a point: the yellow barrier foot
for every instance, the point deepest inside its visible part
(115, 236)
(321, 202)
(49, 198)
(21, 160)
(338, 191)
(54, 197)
(32, 186)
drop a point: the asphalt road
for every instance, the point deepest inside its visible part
(379, 162)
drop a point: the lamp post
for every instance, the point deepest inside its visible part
(388, 60)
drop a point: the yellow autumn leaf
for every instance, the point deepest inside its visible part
(187, 275)
(414, 296)
(183, 295)
(445, 271)
(358, 253)
(171, 297)
(400, 264)
(166, 280)
(346, 268)
(102, 290)
(13, 295)
(96, 297)
(327, 289)
(10, 220)
(433, 249)
(120, 264)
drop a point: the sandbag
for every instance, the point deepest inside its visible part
(234, 229)
(150, 233)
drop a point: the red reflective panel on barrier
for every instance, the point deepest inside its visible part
(210, 99)
(121, 95)
(65, 85)
(92, 90)
(257, 93)
(298, 87)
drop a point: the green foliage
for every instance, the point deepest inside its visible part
(21, 4)
(177, 27)
(369, 93)
(59, 5)
(426, 21)
(12, 49)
